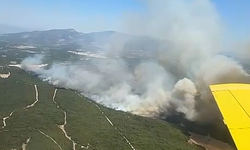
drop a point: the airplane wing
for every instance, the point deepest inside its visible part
(233, 101)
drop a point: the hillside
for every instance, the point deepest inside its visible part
(111, 42)
(55, 118)
(33, 113)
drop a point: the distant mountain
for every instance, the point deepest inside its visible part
(50, 37)
(56, 37)
(70, 39)
(11, 29)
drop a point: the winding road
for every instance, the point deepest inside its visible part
(111, 123)
(33, 104)
(5, 118)
(62, 127)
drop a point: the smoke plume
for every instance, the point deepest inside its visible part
(176, 82)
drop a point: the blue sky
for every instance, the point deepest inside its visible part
(96, 15)
(81, 14)
(236, 15)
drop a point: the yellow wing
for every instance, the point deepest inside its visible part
(233, 101)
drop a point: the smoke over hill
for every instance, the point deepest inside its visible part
(176, 81)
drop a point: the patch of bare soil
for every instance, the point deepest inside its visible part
(208, 143)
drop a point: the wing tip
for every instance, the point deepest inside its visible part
(228, 86)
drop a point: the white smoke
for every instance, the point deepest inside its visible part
(33, 63)
(191, 32)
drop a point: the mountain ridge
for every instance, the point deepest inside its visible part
(68, 39)
(5, 29)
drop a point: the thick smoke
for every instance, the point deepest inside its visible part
(30, 63)
(177, 82)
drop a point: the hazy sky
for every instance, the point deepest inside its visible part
(96, 15)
